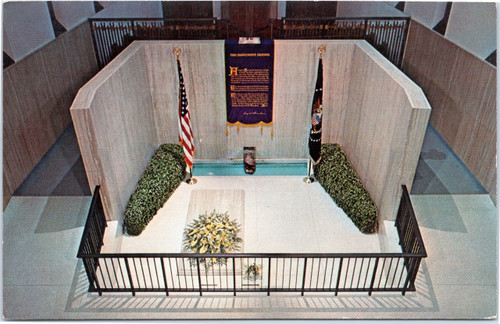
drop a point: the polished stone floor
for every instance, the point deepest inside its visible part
(43, 279)
(279, 215)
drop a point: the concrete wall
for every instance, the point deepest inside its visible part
(381, 127)
(462, 91)
(366, 109)
(113, 119)
(37, 95)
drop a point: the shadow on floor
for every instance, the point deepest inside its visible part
(61, 214)
(60, 172)
(449, 220)
(426, 181)
(79, 300)
(440, 170)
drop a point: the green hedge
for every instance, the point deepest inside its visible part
(339, 179)
(165, 172)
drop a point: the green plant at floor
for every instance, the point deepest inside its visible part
(252, 271)
(163, 175)
(212, 233)
(339, 179)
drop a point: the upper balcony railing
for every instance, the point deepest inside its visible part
(270, 272)
(387, 35)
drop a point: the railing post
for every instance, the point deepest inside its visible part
(412, 270)
(129, 276)
(87, 271)
(133, 28)
(96, 281)
(408, 276)
(304, 277)
(338, 277)
(199, 274)
(234, 278)
(164, 275)
(373, 277)
(269, 277)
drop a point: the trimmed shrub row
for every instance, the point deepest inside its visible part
(165, 172)
(339, 179)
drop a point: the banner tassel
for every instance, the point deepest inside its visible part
(238, 128)
(227, 131)
(261, 128)
(272, 130)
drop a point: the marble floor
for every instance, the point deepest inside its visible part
(279, 215)
(43, 279)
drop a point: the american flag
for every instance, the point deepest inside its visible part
(185, 130)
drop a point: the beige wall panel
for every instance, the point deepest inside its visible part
(295, 80)
(80, 55)
(202, 65)
(34, 93)
(17, 162)
(203, 71)
(462, 91)
(123, 138)
(384, 127)
(38, 91)
(336, 100)
(85, 134)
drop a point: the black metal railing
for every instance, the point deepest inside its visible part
(111, 36)
(410, 238)
(93, 236)
(387, 34)
(311, 272)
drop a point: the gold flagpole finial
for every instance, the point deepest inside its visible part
(177, 51)
(321, 49)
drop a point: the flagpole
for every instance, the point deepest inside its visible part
(309, 179)
(191, 180)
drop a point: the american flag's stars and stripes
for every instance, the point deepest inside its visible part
(186, 138)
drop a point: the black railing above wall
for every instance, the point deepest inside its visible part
(387, 35)
(285, 272)
(111, 36)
